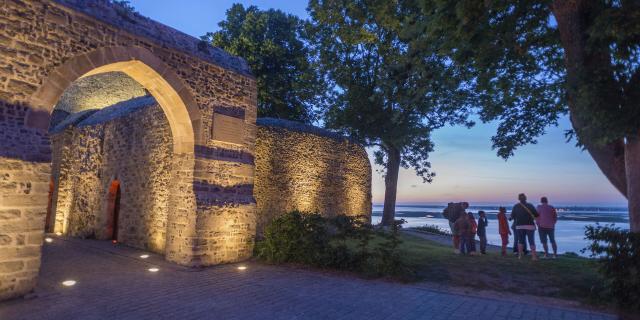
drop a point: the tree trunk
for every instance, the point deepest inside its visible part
(611, 161)
(391, 186)
(632, 160)
(618, 160)
(573, 21)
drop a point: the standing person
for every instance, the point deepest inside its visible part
(503, 229)
(463, 228)
(524, 215)
(482, 231)
(452, 212)
(472, 234)
(515, 236)
(546, 226)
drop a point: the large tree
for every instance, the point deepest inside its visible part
(388, 94)
(274, 44)
(535, 60)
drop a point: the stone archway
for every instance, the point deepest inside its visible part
(48, 44)
(141, 65)
(179, 107)
(178, 104)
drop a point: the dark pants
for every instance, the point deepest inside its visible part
(483, 243)
(465, 244)
(472, 241)
(547, 233)
(515, 241)
(524, 235)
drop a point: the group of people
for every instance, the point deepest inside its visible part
(526, 219)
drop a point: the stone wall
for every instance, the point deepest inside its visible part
(44, 47)
(309, 169)
(99, 91)
(135, 149)
(209, 102)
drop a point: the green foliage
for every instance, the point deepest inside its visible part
(388, 93)
(514, 53)
(434, 229)
(344, 243)
(389, 261)
(618, 252)
(124, 4)
(295, 237)
(125, 10)
(275, 45)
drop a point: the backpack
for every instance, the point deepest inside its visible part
(453, 211)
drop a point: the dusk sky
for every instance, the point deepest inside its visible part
(467, 169)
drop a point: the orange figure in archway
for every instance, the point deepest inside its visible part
(113, 210)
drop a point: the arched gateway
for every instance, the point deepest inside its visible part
(116, 127)
(207, 96)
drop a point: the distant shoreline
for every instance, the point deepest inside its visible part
(511, 203)
(595, 217)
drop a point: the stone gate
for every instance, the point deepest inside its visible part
(207, 99)
(47, 45)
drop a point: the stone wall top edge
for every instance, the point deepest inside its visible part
(105, 11)
(300, 127)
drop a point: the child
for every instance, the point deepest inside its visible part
(474, 230)
(503, 229)
(463, 228)
(482, 231)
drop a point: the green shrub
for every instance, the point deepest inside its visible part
(344, 243)
(295, 237)
(618, 252)
(434, 229)
(386, 258)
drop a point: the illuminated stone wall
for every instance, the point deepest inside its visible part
(45, 46)
(135, 148)
(306, 168)
(99, 91)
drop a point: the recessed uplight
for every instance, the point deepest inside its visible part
(58, 233)
(114, 241)
(154, 269)
(69, 283)
(47, 239)
(144, 256)
(242, 267)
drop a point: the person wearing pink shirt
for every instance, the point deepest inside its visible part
(546, 226)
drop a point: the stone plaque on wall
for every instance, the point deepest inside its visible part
(227, 129)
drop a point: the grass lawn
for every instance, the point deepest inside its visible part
(568, 277)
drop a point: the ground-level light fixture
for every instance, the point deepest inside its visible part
(48, 240)
(69, 283)
(144, 256)
(154, 269)
(242, 267)
(58, 233)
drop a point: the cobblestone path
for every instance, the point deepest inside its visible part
(113, 282)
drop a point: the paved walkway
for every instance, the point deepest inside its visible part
(114, 283)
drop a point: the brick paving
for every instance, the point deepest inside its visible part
(114, 283)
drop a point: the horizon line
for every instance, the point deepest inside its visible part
(496, 203)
